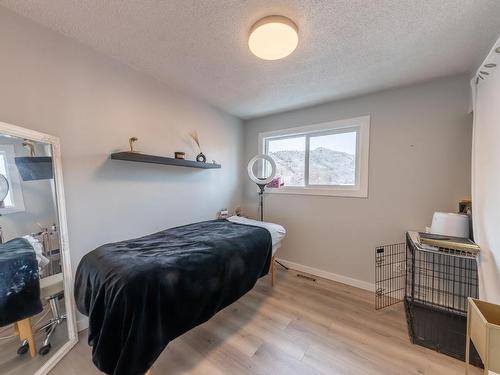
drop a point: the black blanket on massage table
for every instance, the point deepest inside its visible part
(19, 282)
(141, 294)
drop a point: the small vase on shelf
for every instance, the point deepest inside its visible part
(201, 158)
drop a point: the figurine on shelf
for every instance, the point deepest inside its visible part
(30, 146)
(200, 157)
(131, 142)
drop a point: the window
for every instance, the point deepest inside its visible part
(14, 201)
(322, 159)
(289, 155)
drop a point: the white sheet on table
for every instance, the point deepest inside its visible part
(275, 248)
(276, 230)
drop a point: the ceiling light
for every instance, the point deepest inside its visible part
(273, 37)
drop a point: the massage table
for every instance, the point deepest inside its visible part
(140, 294)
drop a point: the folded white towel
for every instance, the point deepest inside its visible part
(37, 246)
(276, 230)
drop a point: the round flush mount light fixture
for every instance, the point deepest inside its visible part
(273, 37)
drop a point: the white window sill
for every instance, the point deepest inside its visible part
(10, 210)
(333, 192)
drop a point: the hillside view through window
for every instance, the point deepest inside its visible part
(331, 159)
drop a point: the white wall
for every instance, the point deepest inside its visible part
(486, 181)
(94, 104)
(420, 149)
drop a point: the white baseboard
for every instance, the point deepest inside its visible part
(329, 275)
(82, 324)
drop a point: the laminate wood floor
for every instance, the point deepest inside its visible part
(297, 327)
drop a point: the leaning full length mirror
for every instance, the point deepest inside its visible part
(36, 315)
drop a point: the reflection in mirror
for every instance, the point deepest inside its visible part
(32, 302)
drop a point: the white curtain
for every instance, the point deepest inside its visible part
(486, 174)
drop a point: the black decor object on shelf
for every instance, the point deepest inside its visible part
(144, 158)
(33, 168)
(201, 158)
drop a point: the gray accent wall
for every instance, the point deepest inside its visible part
(420, 159)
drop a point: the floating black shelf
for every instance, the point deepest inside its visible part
(144, 158)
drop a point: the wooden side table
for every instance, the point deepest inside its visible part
(483, 328)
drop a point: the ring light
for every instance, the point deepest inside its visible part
(259, 180)
(4, 187)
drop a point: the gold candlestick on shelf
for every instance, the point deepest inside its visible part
(131, 142)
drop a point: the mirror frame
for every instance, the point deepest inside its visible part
(17, 131)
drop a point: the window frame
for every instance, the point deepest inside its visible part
(14, 181)
(360, 124)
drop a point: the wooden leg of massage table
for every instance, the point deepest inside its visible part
(26, 333)
(271, 270)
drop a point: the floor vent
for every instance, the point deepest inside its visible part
(306, 277)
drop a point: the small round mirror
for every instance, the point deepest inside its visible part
(261, 169)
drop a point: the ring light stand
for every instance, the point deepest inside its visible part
(261, 183)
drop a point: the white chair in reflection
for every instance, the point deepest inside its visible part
(52, 290)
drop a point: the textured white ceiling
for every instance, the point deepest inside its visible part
(346, 48)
